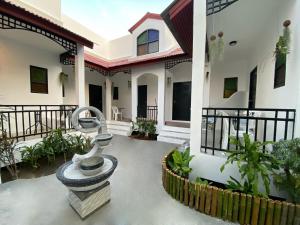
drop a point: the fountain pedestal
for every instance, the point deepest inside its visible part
(86, 176)
(87, 202)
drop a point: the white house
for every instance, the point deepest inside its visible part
(165, 70)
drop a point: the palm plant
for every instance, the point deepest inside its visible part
(253, 163)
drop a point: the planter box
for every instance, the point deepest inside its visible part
(228, 205)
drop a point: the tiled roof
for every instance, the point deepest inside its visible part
(111, 64)
(10, 8)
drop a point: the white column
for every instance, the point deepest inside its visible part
(80, 76)
(199, 41)
(134, 97)
(161, 101)
(294, 59)
(108, 96)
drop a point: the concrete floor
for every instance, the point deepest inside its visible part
(138, 197)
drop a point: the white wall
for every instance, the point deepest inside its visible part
(91, 77)
(120, 80)
(152, 87)
(227, 69)
(15, 61)
(166, 39)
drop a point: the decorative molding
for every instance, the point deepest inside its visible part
(215, 6)
(173, 62)
(9, 22)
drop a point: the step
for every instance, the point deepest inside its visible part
(172, 140)
(176, 129)
(119, 132)
(174, 134)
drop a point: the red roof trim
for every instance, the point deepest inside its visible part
(28, 17)
(143, 19)
(180, 5)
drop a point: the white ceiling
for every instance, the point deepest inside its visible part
(32, 39)
(244, 21)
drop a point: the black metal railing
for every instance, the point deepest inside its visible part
(147, 113)
(23, 121)
(219, 124)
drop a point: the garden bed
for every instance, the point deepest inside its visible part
(27, 172)
(228, 205)
(144, 137)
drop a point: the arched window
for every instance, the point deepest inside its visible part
(148, 42)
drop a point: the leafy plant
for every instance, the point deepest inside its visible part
(150, 128)
(179, 162)
(31, 155)
(7, 156)
(288, 178)
(55, 144)
(253, 163)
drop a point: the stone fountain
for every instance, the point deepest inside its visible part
(86, 176)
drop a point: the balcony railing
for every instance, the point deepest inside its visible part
(23, 121)
(219, 124)
(148, 113)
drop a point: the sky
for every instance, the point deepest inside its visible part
(111, 18)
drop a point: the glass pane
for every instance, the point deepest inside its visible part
(142, 39)
(142, 49)
(38, 75)
(153, 35)
(153, 47)
(230, 86)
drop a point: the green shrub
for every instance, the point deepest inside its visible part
(288, 178)
(179, 162)
(53, 145)
(253, 163)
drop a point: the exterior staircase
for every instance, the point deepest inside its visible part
(175, 135)
(119, 127)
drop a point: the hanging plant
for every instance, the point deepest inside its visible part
(221, 46)
(283, 44)
(213, 49)
(63, 77)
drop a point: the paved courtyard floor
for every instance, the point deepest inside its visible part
(138, 197)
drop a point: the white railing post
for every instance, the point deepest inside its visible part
(134, 97)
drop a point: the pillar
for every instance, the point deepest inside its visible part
(80, 76)
(134, 97)
(108, 96)
(161, 101)
(198, 69)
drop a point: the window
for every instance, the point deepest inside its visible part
(39, 80)
(148, 42)
(230, 86)
(280, 66)
(116, 93)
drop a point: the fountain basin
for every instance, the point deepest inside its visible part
(74, 180)
(87, 123)
(91, 166)
(103, 139)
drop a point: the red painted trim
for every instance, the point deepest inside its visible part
(143, 19)
(180, 5)
(28, 17)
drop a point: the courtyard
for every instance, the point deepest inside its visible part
(137, 194)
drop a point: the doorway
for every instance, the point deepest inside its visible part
(142, 101)
(182, 101)
(252, 89)
(95, 96)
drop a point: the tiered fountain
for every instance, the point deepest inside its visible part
(86, 176)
